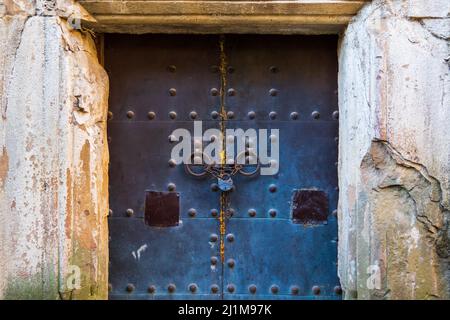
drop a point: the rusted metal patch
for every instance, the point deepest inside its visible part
(162, 209)
(309, 207)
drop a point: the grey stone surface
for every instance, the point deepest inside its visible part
(53, 161)
(394, 166)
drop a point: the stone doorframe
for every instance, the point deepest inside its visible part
(394, 151)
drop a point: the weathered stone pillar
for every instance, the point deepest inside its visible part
(53, 155)
(394, 170)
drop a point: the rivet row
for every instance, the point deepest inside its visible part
(193, 287)
(215, 69)
(229, 115)
(192, 212)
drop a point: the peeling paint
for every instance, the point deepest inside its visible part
(54, 195)
(4, 165)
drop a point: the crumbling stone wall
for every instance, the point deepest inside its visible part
(394, 166)
(53, 155)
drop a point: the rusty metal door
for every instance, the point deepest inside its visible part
(175, 234)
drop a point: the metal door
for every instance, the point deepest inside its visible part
(269, 236)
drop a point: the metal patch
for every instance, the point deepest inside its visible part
(309, 207)
(162, 209)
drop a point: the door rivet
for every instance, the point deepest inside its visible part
(172, 68)
(193, 287)
(110, 287)
(214, 212)
(336, 115)
(151, 289)
(192, 212)
(230, 212)
(272, 188)
(151, 115)
(295, 290)
(214, 260)
(230, 263)
(171, 186)
(110, 212)
(273, 69)
(273, 92)
(214, 114)
(251, 115)
(294, 115)
(171, 288)
(214, 187)
(213, 237)
(193, 115)
(231, 92)
(252, 289)
(334, 213)
(316, 290)
(338, 290)
(214, 288)
(130, 287)
(272, 115)
(130, 114)
(129, 212)
(230, 69)
(274, 289)
(110, 115)
(315, 114)
(172, 115)
(214, 92)
(172, 163)
(230, 288)
(230, 237)
(173, 92)
(252, 212)
(273, 213)
(230, 114)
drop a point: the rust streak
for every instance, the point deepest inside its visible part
(223, 118)
(4, 166)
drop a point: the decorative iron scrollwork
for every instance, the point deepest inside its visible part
(223, 172)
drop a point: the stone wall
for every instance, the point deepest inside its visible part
(53, 155)
(394, 166)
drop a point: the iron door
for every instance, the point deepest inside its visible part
(267, 236)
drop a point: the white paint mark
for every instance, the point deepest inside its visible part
(137, 254)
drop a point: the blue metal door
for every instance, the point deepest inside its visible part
(179, 234)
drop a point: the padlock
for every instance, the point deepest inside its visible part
(225, 184)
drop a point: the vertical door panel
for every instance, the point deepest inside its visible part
(289, 84)
(156, 83)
